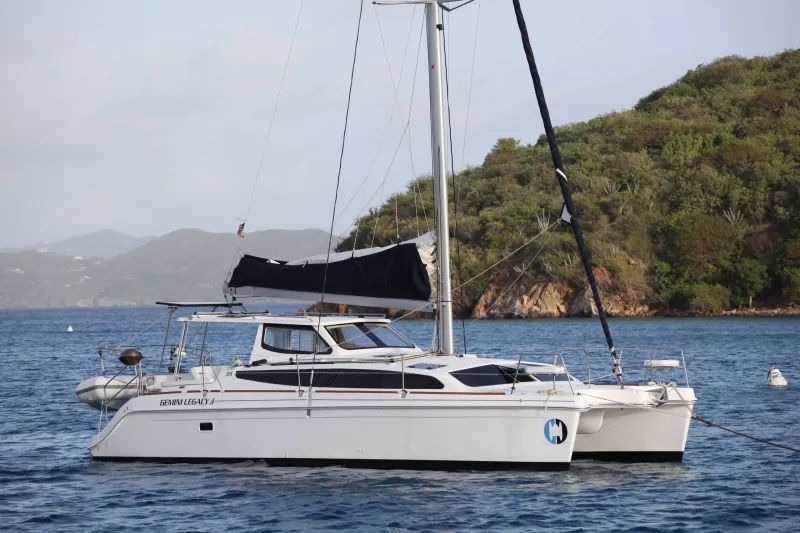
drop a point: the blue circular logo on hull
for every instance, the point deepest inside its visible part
(555, 431)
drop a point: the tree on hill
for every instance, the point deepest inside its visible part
(699, 182)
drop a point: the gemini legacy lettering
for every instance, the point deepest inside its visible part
(186, 401)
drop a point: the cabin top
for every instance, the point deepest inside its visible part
(300, 320)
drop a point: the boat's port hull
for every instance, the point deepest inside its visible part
(647, 434)
(451, 435)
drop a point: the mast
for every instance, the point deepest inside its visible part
(444, 304)
(569, 214)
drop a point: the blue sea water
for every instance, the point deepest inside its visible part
(48, 480)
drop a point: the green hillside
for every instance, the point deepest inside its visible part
(691, 200)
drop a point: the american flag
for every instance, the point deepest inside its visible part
(240, 231)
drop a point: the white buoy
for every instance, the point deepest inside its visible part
(775, 378)
(69, 329)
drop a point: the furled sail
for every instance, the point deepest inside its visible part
(397, 276)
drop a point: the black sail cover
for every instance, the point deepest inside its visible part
(395, 276)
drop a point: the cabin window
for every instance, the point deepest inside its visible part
(293, 339)
(369, 335)
(521, 375)
(351, 337)
(343, 378)
(484, 376)
(426, 366)
(388, 336)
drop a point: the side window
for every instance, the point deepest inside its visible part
(552, 377)
(305, 340)
(277, 338)
(481, 376)
(343, 378)
(484, 376)
(285, 339)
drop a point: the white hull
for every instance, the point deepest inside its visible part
(420, 432)
(630, 433)
(393, 406)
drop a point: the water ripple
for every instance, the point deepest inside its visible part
(49, 482)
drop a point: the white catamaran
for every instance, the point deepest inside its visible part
(345, 389)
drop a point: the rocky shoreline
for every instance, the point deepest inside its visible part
(558, 300)
(544, 303)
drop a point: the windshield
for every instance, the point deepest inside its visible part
(367, 335)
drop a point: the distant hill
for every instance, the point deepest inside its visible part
(690, 202)
(100, 243)
(187, 264)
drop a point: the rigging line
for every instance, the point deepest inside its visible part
(391, 116)
(402, 135)
(415, 182)
(469, 90)
(386, 56)
(395, 90)
(371, 166)
(135, 336)
(517, 249)
(396, 218)
(456, 195)
(524, 269)
(705, 421)
(237, 252)
(377, 214)
(341, 158)
(485, 270)
(380, 188)
(355, 236)
(274, 112)
(416, 212)
(336, 193)
(406, 127)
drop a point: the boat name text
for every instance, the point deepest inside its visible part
(186, 401)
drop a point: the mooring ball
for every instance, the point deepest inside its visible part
(130, 357)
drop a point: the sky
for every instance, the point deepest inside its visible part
(149, 116)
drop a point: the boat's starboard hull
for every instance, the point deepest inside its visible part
(426, 435)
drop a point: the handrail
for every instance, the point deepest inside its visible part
(105, 403)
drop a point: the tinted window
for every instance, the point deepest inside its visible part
(521, 376)
(483, 376)
(287, 339)
(552, 377)
(370, 335)
(387, 336)
(350, 337)
(344, 378)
